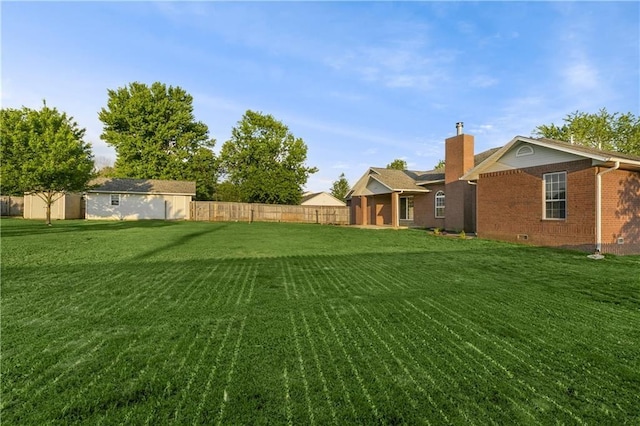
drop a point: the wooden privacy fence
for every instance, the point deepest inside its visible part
(215, 211)
(11, 206)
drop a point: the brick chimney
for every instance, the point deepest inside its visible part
(458, 155)
(459, 195)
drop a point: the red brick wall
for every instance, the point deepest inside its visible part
(510, 204)
(380, 209)
(621, 207)
(424, 209)
(459, 160)
(458, 156)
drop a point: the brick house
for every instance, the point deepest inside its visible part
(552, 193)
(417, 198)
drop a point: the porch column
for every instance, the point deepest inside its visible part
(363, 210)
(395, 209)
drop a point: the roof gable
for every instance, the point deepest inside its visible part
(143, 186)
(543, 151)
(320, 198)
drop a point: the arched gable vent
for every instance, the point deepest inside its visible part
(524, 150)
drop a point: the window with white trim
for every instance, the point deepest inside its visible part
(439, 204)
(555, 195)
(406, 208)
(115, 199)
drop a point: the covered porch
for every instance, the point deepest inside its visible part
(395, 209)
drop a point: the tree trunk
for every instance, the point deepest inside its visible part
(48, 201)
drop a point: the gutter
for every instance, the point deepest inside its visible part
(599, 205)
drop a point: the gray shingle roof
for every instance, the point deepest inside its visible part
(407, 179)
(589, 150)
(398, 180)
(143, 186)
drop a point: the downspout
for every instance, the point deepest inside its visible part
(599, 205)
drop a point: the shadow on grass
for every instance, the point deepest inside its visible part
(183, 240)
(13, 227)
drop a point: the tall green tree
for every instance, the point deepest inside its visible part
(397, 164)
(340, 187)
(264, 161)
(602, 130)
(156, 136)
(14, 134)
(43, 153)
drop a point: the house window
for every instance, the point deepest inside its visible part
(555, 195)
(115, 199)
(406, 208)
(440, 204)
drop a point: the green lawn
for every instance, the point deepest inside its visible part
(235, 323)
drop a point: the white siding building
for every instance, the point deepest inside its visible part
(135, 199)
(320, 199)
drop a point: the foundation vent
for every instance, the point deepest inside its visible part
(620, 240)
(523, 237)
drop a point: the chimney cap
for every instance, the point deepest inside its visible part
(459, 126)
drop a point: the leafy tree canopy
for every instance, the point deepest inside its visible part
(155, 135)
(397, 164)
(264, 161)
(602, 130)
(340, 187)
(43, 153)
(440, 165)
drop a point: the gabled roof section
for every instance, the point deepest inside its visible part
(438, 175)
(142, 186)
(388, 181)
(598, 156)
(398, 180)
(311, 195)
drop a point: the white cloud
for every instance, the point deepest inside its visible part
(483, 81)
(581, 75)
(341, 166)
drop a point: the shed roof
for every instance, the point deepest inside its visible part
(143, 186)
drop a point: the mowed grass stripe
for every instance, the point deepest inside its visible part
(230, 372)
(195, 370)
(380, 321)
(67, 410)
(397, 375)
(110, 309)
(373, 374)
(302, 370)
(543, 355)
(353, 367)
(425, 365)
(321, 374)
(448, 354)
(335, 362)
(407, 358)
(461, 346)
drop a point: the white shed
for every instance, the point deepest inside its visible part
(320, 199)
(134, 199)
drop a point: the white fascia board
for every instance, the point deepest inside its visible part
(429, 182)
(475, 173)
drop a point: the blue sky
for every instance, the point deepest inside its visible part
(363, 83)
